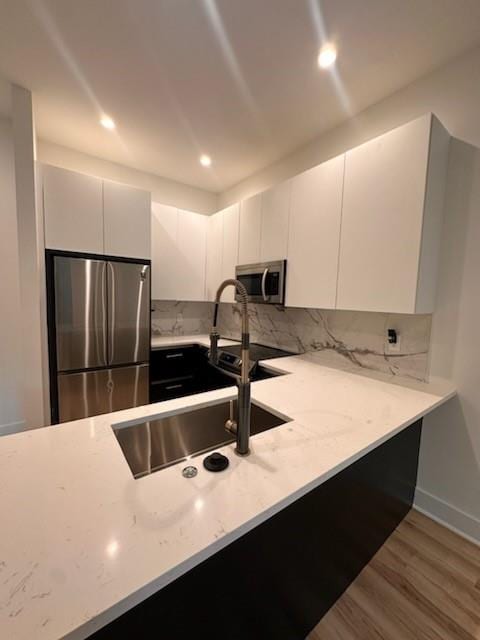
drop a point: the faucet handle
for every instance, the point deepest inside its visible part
(231, 424)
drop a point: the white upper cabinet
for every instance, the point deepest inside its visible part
(179, 240)
(231, 221)
(360, 232)
(263, 229)
(214, 254)
(164, 252)
(275, 217)
(314, 236)
(250, 230)
(392, 220)
(89, 215)
(222, 251)
(192, 246)
(73, 210)
(127, 214)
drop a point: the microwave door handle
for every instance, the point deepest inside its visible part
(264, 280)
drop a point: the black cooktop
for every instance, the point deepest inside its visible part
(258, 352)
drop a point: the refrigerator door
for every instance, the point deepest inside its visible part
(128, 286)
(80, 313)
(90, 393)
(128, 387)
(81, 395)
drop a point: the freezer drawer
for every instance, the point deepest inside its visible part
(129, 387)
(128, 286)
(80, 313)
(90, 393)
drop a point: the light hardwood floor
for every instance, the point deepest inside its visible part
(423, 584)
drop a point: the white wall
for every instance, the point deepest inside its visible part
(31, 261)
(452, 93)
(163, 190)
(11, 401)
(449, 471)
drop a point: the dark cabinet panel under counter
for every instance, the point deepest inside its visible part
(279, 579)
(180, 371)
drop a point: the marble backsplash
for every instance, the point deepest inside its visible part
(170, 318)
(336, 338)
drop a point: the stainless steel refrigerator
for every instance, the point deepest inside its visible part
(99, 335)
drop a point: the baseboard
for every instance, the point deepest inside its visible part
(12, 427)
(449, 516)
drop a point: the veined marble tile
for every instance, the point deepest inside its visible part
(171, 318)
(354, 337)
(348, 337)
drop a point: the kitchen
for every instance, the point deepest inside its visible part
(241, 383)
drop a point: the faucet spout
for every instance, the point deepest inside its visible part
(243, 382)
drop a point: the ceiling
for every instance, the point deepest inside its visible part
(236, 79)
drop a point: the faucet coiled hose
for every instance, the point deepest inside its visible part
(242, 293)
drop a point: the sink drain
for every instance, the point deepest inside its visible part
(189, 472)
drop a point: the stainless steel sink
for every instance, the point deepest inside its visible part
(153, 445)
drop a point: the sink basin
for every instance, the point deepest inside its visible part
(156, 444)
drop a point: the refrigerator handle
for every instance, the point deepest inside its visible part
(104, 314)
(111, 310)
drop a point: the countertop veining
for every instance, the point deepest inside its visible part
(83, 541)
(159, 342)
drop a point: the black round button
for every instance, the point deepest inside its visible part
(216, 462)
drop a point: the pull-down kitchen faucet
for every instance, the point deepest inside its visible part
(243, 381)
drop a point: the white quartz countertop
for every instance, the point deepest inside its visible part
(82, 541)
(159, 342)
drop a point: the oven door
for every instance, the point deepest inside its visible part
(264, 282)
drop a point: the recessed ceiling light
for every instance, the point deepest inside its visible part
(327, 56)
(205, 160)
(107, 122)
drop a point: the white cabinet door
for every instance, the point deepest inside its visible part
(385, 199)
(214, 254)
(192, 241)
(73, 211)
(275, 215)
(314, 236)
(165, 257)
(231, 221)
(127, 215)
(250, 230)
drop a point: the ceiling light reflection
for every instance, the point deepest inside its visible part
(233, 64)
(112, 548)
(327, 56)
(205, 160)
(318, 24)
(107, 122)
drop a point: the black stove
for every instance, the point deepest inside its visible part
(258, 351)
(230, 357)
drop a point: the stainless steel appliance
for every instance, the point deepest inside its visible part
(264, 281)
(99, 334)
(231, 357)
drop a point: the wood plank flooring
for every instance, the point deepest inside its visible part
(423, 584)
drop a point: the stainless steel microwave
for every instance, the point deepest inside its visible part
(264, 281)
